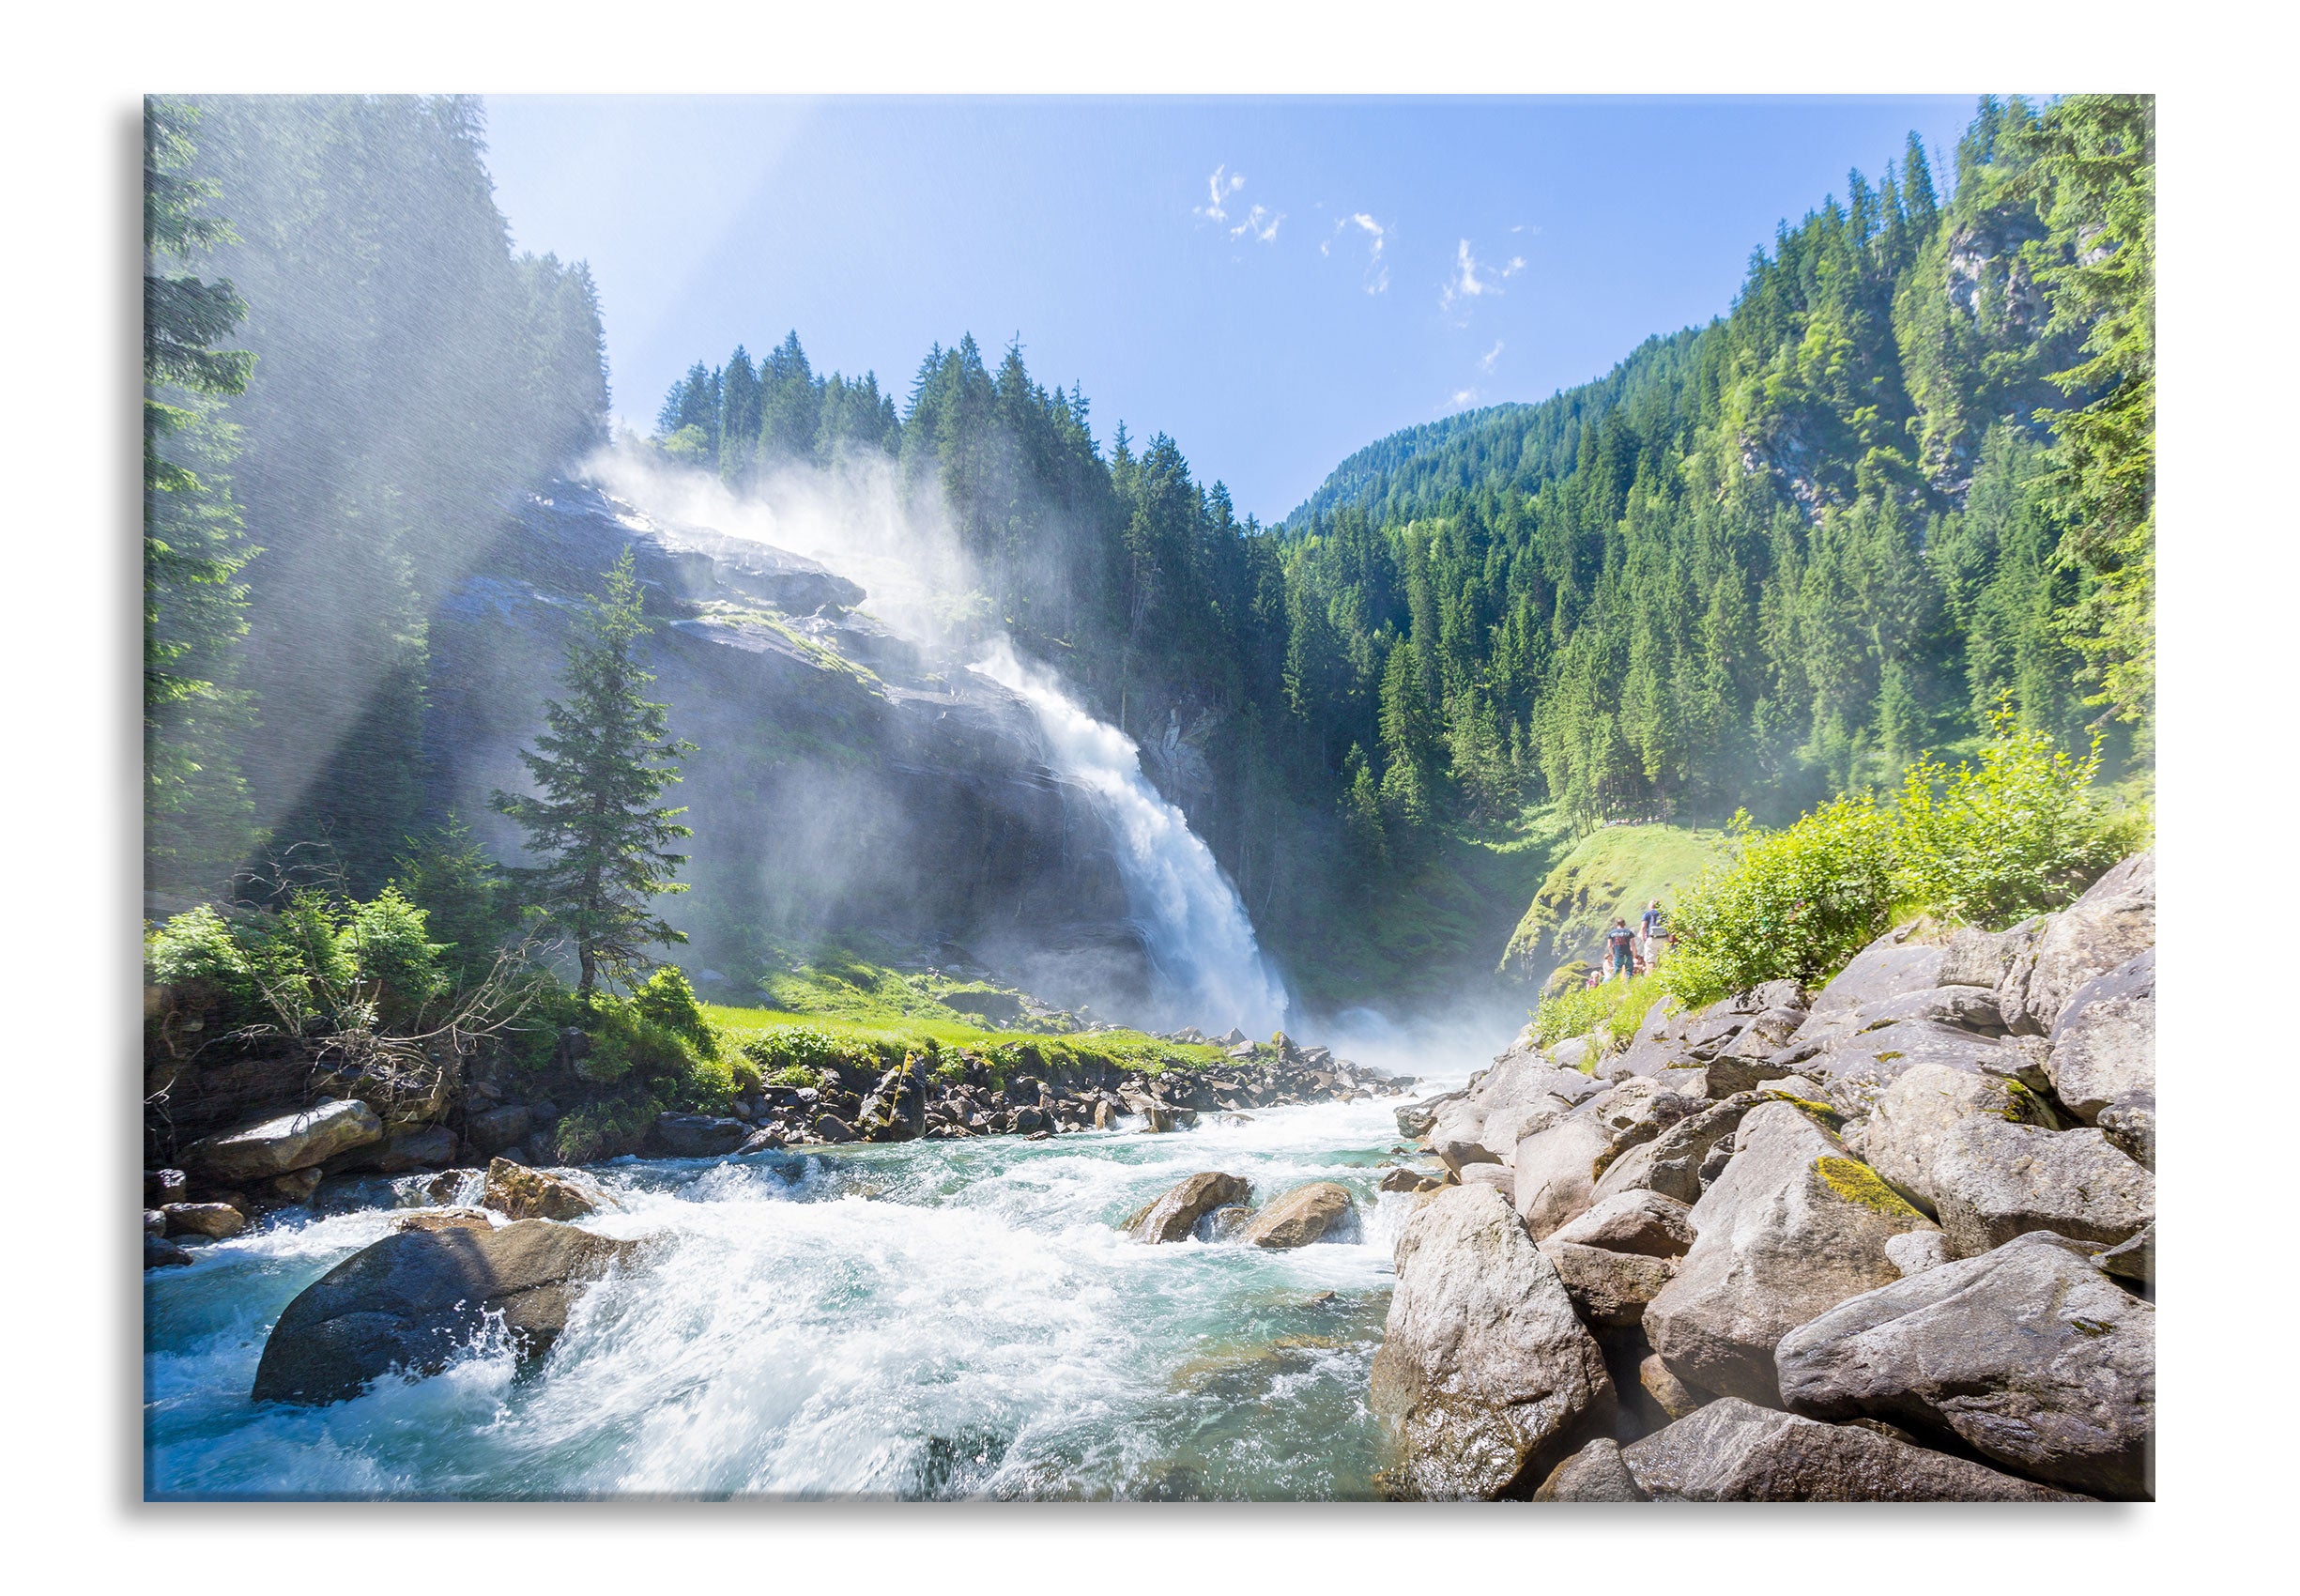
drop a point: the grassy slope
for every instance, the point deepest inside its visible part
(1613, 870)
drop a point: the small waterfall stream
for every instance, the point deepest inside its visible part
(1189, 916)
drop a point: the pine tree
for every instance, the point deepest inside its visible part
(602, 766)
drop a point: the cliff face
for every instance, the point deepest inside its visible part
(845, 777)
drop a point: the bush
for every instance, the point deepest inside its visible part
(1615, 1010)
(668, 1001)
(1797, 902)
(2021, 834)
(802, 1055)
(604, 1129)
(197, 956)
(393, 958)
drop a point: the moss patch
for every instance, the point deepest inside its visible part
(1857, 1183)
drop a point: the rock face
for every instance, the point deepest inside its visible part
(1321, 1211)
(1996, 1180)
(410, 1300)
(1888, 968)
(1485, 1376)
(2109, 925)
(1558, 1167)
(291, 1141)
(1173, 1216)
(1791, 1228)
(1734, 1451)
(1609, 1290)
(1594, 1473)
(525, 1193)
(1902, 1135)
(2104, 1044)
(2029, 1355)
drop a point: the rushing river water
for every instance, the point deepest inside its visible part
(925, 1319)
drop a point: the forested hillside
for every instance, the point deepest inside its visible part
(1907, 475)
(350, 369)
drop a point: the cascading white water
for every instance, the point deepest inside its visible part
(1191, 919)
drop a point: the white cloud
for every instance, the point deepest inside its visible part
(1466, 284)
(1463, 398)
(1263, 225)
(1485, 361)
(1219, 192)
(1377, 269)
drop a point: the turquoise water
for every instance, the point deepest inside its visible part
(921, 1320)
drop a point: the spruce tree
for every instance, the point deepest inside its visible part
(601, 766)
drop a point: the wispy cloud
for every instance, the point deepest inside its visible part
(1219, 189)
(1485, 361)
(1261, 223)
(1465, 282)
(1377, 269)
(1463, 398)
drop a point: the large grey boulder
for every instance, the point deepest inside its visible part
(1609, 1290)
(291, 1141)
(1861, 1067)
(1734, 1451)
(2130, 1124)
(1641, 1221)
(1902, 1134)
(1994, 1180)
(1671, 1162)
(698, 1135)
(413, 1299)
(1558, 1167)
(1975, 957)
(1888, 967)
(1321, 1211)
(2029, 1355)
(2108, 925)
(1484, 1375)
(1594, 1473)
(522, 1193)
(2104, 1044)
(1175, 1213)
(1792, 1227)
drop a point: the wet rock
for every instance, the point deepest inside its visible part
(155, 1222)
(412, 1300)
(1594, 1473)
(1485, 1376)
(2029, 1355)
(1321, 1211)
(160, 1254)
(1175, 1214)
(292, 1141)
(446, 1219)
(766, 1139)
(2104, 1045)
(1792, 1227)
(164, 1186)
(1642, 1222)
(523, 1193)
(697, 1135)
(214, 1220)
(1609, 1290)
(429, 1146)
(296, 1187)
(1734, 1451)
(1996, 1180)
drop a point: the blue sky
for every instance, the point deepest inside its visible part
(1275, 283)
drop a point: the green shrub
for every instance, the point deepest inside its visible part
(815, 1052)
(1797, 902)
(196, 955)
(2020, 834)
(603, 1130)
(665, 1000)
(392, 957)
(1615, 1010)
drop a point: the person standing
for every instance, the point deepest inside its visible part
(1621, 948)
(1650, 928)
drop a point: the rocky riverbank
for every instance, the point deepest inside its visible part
(1891, 1241)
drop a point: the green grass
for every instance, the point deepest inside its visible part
(1612, 870)
(1617, 1009)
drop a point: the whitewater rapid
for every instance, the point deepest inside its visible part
(919, 1320)
(1212, 972)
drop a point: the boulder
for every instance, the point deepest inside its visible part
(1410, 1180)
(496, 1128)
(1672, 1395)
(2130, 1126)
(1995, 1179)
(1902, 1134)
(1321, 1211)
(1416, 1119)
(523, 1193)
(411, 1300)
(1557, 1171)
(2134, 1260)
(1501, 1177)
(2104, 1044)
(698, 1135)
(1734, 1451)
(767, 1139)
(446, 1219)
(1609, 1290)
(2110, 925)
(1485, 1376)
(164, 1186)
(1175, 1214)
(1594, 1473)
(1642, 1222)
(1888, 967)
(161, 1254)
(1859, 1068)
(2029, 1355)
(1966, 1008)
(292, 1141)
(1792, 1227)
(1975, 958)
(1914, 1251)
(830, 1127)
(421, 1148)
(214, 1220)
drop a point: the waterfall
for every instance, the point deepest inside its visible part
(1189, 916)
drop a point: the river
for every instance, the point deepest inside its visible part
(917, 1320)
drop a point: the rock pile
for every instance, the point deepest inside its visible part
(1893, 1241)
